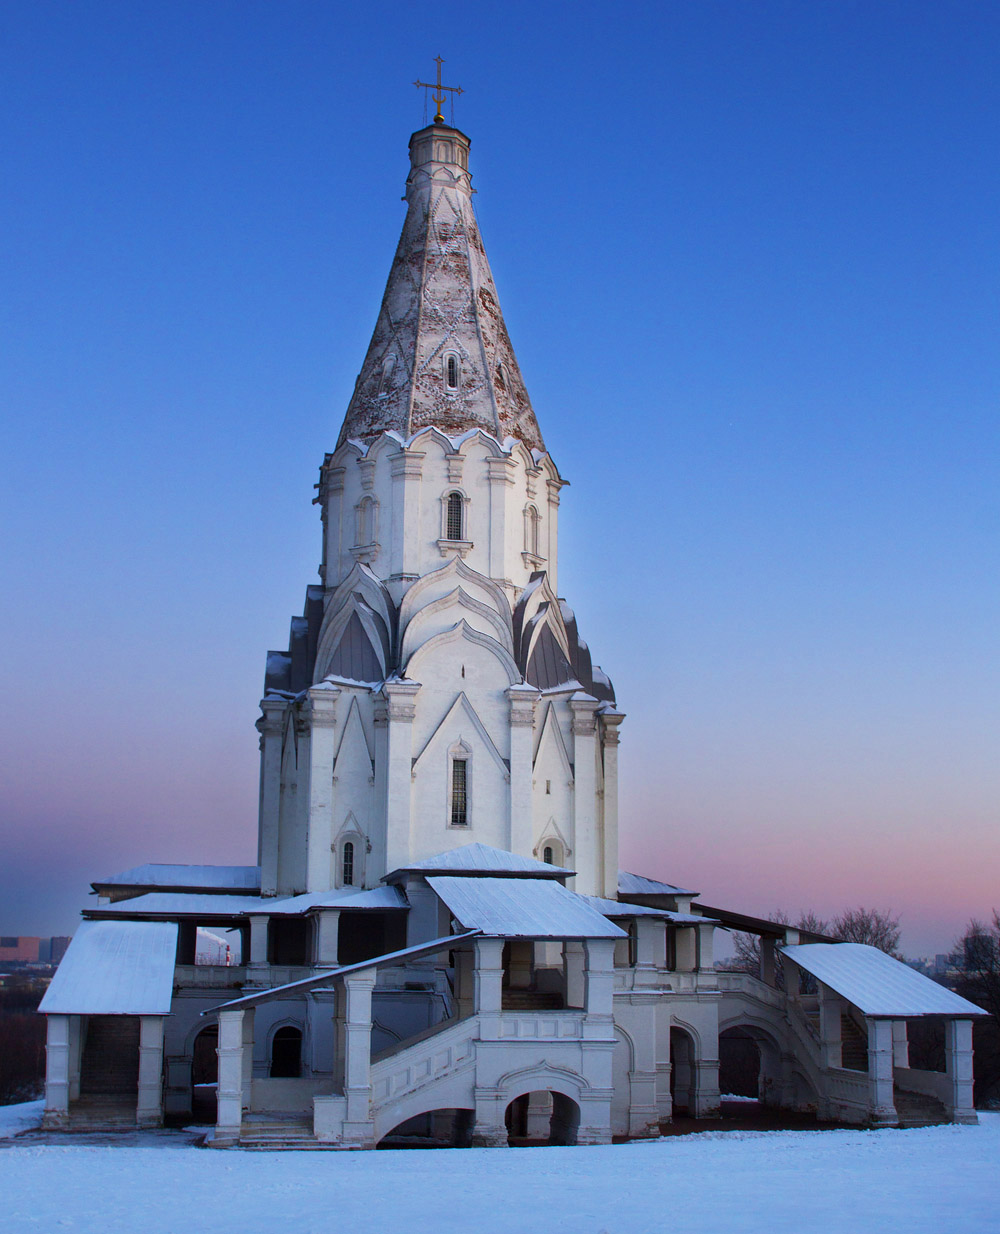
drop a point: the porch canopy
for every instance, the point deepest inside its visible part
(522, 908)
(115, 968)
(876, 984)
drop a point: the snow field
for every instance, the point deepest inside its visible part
(939, 1180)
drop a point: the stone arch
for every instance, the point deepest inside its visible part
(461, 599)
(202, 1044)
(562, 1089)
(768, 1049)
(622, 1066)
(280, 1032)
(684, 1054)
(462, 631)
(472, 580)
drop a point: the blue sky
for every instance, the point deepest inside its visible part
(747, 253)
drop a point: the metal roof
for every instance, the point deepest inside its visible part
(522, 908)
(176, 877)
(482, 859)
(618, 908)
(115, 968)
(877, 984)
(182, 904)
(327, 978)
(637, 885)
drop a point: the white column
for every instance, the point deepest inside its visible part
(358, 1128)
(257, 965)
(589, 851)
(322, 745)
(57, 1070)
(396, 709)
(958, 1065)
(522, 718)
(552, 548)
(230, 1049)
(149, 1109)
(900, 1045)
(831, 1008)
(599, 978)
(880, 1082)
(326, 935)
(501, 478)
(610, 721)
(488, 985)
(686, 949)
(271, 728)
(574, 964)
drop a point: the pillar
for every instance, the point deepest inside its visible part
(522, 719)
(322, 747)
(57, 1070)
(271, 728)
(706, 955)
(958, 1067)
(610, 721)
(831, 1008)
(232, 1099)
(488, 985)
(149, 1108)
(599, 977)
(395, 709)
(900, 1045)
(588, 860)
(574, 966)
(880, 1082)
(768, 961)
(357, 1038)
(686, 948)
(257, 963)
(325, 937)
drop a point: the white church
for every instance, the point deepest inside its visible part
(437, 944)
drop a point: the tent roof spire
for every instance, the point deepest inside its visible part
(440, 354)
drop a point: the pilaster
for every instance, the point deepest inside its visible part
(880, 1079)
(395, 709)
(322, 745)
(406, 468)
(588, 850)
(523, 699)
(501, 479)
(149, 1109)
(57, 1070)
(958, 1067)
(610, 722)
(271, 728)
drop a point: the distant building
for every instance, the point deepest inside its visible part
(19, 949)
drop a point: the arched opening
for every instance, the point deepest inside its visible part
(531, 521)
(542, 1117)
(205, 1075)
(739, 1064)
(286, 1053)
(682, 1071)
(435, 1129)
(454, 520)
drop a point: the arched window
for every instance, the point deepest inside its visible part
(547, 855)
(451, 371)
(286, 1053)
(454, 519)
(347, 864)
(383, 381)
(531, 521)
(460, 792)
(366, 521)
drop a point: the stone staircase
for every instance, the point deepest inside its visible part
(531, 1000)
(102, 1113)
(854, 1045)
(918, 1109)
(276, 1134)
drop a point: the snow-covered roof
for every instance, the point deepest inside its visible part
(522, 908)
(636, 885)
(618, 908)
(482, 859)
(115, 968)
(227, 878)
(875, 983)
(181, 904)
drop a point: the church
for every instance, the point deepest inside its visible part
(436, 944)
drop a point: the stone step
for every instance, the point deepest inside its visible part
(918, 1109)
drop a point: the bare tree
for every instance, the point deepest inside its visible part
(977, 965)
(876, 927)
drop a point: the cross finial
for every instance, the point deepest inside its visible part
(439, 96)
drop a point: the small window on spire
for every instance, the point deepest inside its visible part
(451, 371)
(501, 377)
(383, 381)
(453, 522)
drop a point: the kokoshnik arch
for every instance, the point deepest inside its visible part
(436, 937)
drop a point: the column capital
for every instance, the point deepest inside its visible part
(322, 707)
(523, 699)
(409, 464)
(397, 701)
(501, 470)
(610, 721)
(583, 707)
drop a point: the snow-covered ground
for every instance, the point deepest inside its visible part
(940, 1180)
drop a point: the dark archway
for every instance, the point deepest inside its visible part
(739, 1064)
(286, 1053)
(683, 1072)
(435, 1129)
(542, 1117)
(205, 1075)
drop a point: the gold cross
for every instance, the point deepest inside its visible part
(439, 97)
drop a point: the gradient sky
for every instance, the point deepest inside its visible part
(748, 256)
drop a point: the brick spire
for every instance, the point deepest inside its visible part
(440, 354)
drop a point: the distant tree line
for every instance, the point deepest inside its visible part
(22, 1040)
